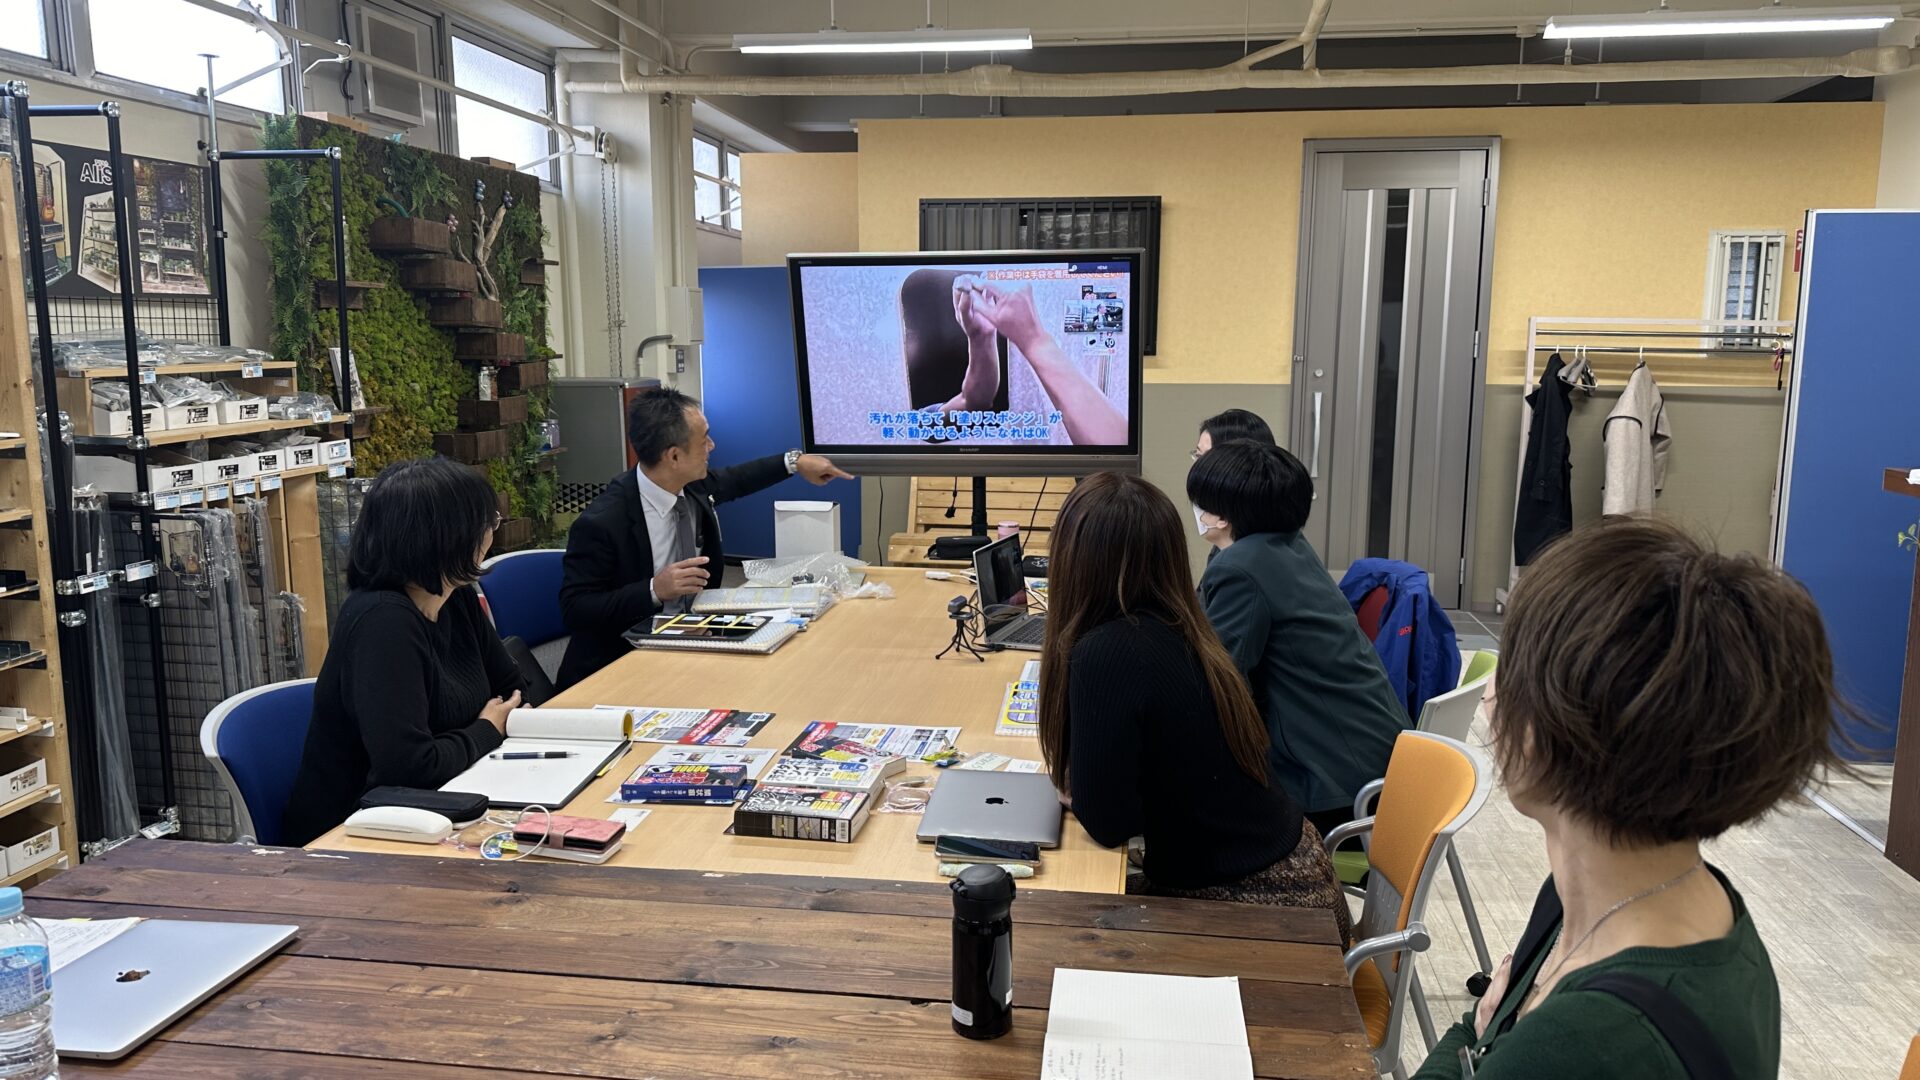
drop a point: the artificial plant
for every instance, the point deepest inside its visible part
(406, 364)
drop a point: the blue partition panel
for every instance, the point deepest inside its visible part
(1856, 387)
(752, 398)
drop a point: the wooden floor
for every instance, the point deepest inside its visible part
(1841, 923)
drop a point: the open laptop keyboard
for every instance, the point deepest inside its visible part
(1028, 631)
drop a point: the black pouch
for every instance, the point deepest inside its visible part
(459, 807)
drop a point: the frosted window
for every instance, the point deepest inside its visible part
(484, 131)
(159, 42)
(23, 27)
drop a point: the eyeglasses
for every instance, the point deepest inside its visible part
(1195, 454)
(498, 519)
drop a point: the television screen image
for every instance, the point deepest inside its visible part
(1019, 356)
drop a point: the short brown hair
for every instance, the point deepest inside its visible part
(1658, 690)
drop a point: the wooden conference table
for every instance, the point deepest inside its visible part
(865, 661)
(443, 969)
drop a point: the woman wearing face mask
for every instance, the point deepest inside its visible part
(1331, 714)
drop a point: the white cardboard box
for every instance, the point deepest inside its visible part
(303, 457)
(243, 411)
(168, 472)
(336, 452)
(34, 848)
(24, 780)
(192, 416)
(227, 470)
(269, 461)
(106, 422)
(805, 528)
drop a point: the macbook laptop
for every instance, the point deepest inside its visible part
(993, 806)
(1003, 597)
(125, 992)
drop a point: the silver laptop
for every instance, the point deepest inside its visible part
(993, 806)
(123, 993)
(1003, 597)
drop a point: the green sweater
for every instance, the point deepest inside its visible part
(1331, 714)
(1592, 1035)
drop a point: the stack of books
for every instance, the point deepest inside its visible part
(822, 787)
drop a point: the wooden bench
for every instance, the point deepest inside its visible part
(1033, 501)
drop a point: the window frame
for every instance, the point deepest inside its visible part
(77, 40)
(455, 28)
(1767, 291)
(729, 224)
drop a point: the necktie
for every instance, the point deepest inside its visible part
(684, 546)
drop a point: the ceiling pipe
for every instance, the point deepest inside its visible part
(541, 10)
(999, 80)
(666, 45)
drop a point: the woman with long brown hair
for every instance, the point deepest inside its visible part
(1148, 728)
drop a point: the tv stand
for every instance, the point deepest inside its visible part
(962, 547)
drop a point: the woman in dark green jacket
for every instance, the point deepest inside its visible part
(1652, 694)
(1331, 713)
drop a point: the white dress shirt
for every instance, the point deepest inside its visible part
(658, 503)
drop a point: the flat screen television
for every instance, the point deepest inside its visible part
(1000, 363)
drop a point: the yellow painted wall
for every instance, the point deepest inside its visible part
(1603, 210)
(797, 202)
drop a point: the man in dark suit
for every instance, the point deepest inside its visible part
(651, 540)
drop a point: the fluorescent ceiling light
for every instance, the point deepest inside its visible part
(926, 39)
(1769, 20)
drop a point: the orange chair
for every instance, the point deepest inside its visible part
(1911, 1070)
(1434, 785)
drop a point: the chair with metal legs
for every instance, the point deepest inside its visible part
(1433, 787)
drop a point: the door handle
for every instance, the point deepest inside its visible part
(1313, 466)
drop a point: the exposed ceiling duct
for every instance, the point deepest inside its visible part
(1000, 80)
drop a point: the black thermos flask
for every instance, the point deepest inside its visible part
(983, 952)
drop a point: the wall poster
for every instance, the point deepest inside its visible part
(75, 187)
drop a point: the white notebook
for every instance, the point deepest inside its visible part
(589, 737)
(1119, 1025)
(808, 600)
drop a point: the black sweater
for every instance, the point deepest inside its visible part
(397, 703)
(1146, 756)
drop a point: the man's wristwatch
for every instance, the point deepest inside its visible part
(793, 462)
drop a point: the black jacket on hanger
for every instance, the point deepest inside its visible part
(1545, 509)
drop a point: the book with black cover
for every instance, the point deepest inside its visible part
(802, 813)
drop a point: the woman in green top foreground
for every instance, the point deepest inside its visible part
(1652, 694)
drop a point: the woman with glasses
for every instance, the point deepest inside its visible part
(416, 686)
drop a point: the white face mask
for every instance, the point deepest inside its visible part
(1199, 518)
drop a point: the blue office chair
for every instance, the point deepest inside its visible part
(522, 592)
(254, 740)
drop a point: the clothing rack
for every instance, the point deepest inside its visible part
(1642, 337)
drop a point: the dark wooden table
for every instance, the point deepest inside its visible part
(444, 968)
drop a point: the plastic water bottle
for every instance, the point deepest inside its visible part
(26, 995)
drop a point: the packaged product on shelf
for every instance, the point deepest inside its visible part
(167, 470)
(91, 353)
(239, 407)
(193, 352)
(190, 402)
(113, 410)
(301, 405)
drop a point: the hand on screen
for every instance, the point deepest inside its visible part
(818, 470)
(1011, 312)
(982, 379)
(967, 311)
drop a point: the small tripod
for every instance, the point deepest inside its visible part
(961, 611)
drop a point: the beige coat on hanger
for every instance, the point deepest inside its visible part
(1637, 436)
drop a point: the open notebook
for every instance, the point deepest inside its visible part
(589, 737)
